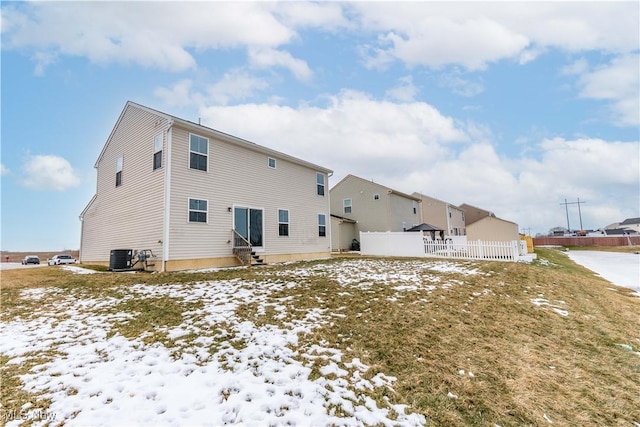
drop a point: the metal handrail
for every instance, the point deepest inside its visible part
(242, 248)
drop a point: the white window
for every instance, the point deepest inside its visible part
(119, 164)
(415, 207)
(198, 210)
(320, 183)
(157, 151)
(283, 222)
(346, 203)
(322, 225)
(271, 162)
(376, 197)
(198, 152)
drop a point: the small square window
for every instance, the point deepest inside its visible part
(271, 162)
(376, 197)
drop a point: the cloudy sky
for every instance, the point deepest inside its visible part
(512, 107)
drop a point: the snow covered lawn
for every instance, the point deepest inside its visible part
(214, 366)
(622, 269)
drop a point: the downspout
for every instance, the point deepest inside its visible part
(167, 200)
(81, 236)
(329, 175)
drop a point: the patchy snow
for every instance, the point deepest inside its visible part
(232, 372)
(622, 269)
(78, 270)
(541, 302)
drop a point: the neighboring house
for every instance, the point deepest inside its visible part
(372, 206)
(183, 191)
(629, 225)
(446, 216)
(484, 225)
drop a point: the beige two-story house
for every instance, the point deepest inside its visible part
(195, 197)
(359, 205)
(444, 215)
(485, 225)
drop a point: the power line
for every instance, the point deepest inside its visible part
(566, 207)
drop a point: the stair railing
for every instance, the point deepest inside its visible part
(242, 248)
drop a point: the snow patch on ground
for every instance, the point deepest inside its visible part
(234, 372)
(559, 309)
(622, 269)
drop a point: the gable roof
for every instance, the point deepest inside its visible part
(384, 188)
(630, 221)
(213, 133)
(425, 227)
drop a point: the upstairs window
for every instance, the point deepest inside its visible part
(346, 203)
(198, 152)
(157, 151)
(271, 162)
(376, 197)
(322, 225)
(283, 222)
(320, 184)
(415, 207)
(119, 163)
(198, 210)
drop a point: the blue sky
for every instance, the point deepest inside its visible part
(512, 107)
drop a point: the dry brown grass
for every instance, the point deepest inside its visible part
(527, 362)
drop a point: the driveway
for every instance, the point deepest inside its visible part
(622, 269)
(14, 265)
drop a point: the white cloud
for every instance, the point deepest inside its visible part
(411, 146)
(267, 58)
(406, 91)
(49, 172)
(434, 34)
(618, 82)
(180, 94)
(151, 34)
(235, 85)
(460, 85)
(4, 170)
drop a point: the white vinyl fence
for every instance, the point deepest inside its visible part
(414, 244)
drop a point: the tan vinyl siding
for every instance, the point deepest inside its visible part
(493, 229)
(434, 212)
(129, 216)
(372, 215)
(402, 215)
(238, 176)
(387, 213)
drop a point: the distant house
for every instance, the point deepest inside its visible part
(373, 207)
(443, 215)
(196, 197)
(628, 226)
(484, 225)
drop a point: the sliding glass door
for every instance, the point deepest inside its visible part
(248, 222)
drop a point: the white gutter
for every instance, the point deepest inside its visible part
(167, 200)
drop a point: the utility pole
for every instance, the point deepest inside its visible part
(566, 207)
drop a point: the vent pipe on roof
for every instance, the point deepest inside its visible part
(199, 121)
